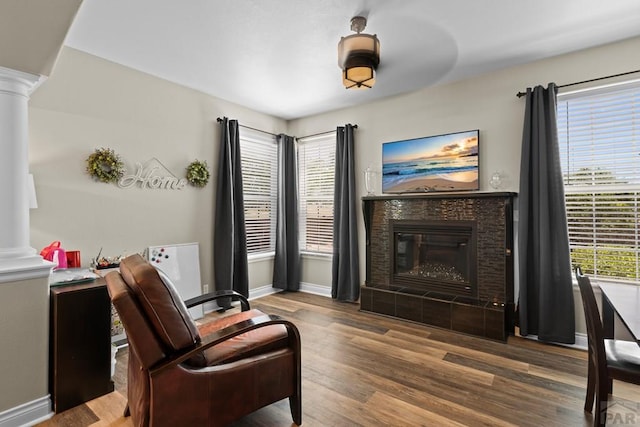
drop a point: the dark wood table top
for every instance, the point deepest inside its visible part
(625, 300)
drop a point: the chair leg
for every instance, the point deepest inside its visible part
(591, 388)
(602, 400)
(295, 403)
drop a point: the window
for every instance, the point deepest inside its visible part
(259, 177)
(599, 137)
(316, 169)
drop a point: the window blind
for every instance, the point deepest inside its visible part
(259, 179)
(316, 170)
(599, 140)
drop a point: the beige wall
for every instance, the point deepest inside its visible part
(316, 270)
(24, 329)
(487, 102)
(90, 103)
(31, 35)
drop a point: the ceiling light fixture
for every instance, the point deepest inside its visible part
(359, 56)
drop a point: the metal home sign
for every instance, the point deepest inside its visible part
(154, 175)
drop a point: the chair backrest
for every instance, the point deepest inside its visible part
(140, 333)
(159, 300)
(595, 332)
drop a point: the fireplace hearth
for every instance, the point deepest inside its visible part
(442, 259)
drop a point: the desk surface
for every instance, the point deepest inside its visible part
(625, 300)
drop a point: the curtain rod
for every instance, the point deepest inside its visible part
(521, 94)
(273, 134)
(322, 133)
(249, 127)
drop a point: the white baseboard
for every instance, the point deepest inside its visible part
(312, 288)
(309, 288)
(254, 293)
(580, 344)
(262, 291)
(27, 414)
(582, 341)
(265, 290)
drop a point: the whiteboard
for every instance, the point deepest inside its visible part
(181, 263)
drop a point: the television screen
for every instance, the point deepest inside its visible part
(433, 163)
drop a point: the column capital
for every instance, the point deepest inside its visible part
(19, 82)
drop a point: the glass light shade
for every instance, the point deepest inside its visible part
(359, 78)
(359, 44)
(358, 56)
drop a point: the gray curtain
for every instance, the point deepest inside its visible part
(546, 291)
(345, 283)
(286, 265)
(230, 235)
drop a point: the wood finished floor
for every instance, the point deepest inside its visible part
(361, 369)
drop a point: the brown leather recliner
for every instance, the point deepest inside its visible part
(180, 375)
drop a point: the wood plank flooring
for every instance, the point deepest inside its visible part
(361, 369)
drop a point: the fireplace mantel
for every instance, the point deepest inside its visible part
(443, 195)
(489, 313)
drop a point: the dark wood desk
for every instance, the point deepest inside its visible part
(625, 301)
(80, 344)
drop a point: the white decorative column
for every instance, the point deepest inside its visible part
(24, 275)
(18, 259)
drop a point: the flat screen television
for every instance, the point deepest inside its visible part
(433, 163)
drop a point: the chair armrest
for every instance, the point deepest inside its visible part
(211, 296)
(227, 333)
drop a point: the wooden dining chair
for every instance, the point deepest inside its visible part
(608, 359)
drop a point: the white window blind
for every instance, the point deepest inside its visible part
(316, 169)
(599, 138)
(259, 176)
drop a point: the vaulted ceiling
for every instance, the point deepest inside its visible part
(280, 56)
(32, 33)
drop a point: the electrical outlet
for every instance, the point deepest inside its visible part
(205, 289)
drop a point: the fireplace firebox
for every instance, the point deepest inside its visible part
(434, 256)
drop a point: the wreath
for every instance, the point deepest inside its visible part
(105, 165)
(198, 173)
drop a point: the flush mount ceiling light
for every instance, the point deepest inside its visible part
(359, 56)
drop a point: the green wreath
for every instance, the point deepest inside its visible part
(105, 165)
(198, 173)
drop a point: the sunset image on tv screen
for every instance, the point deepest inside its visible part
(434, 163)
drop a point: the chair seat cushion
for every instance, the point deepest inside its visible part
(257, 341)
(623, 356)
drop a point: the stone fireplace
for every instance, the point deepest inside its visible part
(443, 259)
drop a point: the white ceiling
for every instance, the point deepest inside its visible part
(280, 56)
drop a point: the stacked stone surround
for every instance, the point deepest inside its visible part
(487, 212)
(492, 214)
